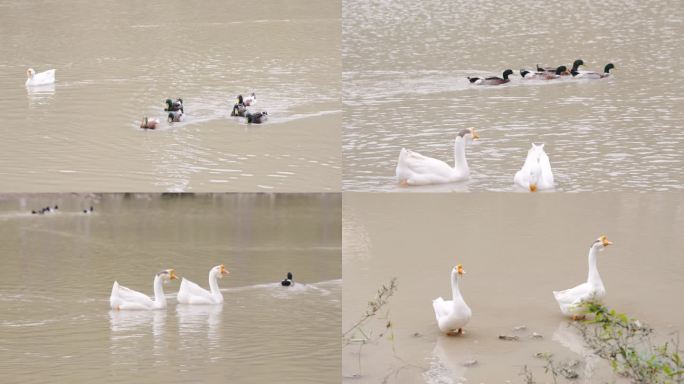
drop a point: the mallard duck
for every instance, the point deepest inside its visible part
(174, 105)
(593, 75)
(569, 300)
(256, 118)
(191, 293)
(491, 80)
(239, 110)
(575, 66)
(125, 298)
(42, 78)
(535, 173)
(416, 169)
(288, 280)
(452, 315)
(148, 123)
(527, 75)
(175, 117)
(88, 211)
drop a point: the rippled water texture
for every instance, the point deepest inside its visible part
(118, 61)
(405, 66)
(58, 269)
(516, 249)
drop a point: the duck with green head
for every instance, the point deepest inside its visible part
(527, 75)
(174, 105)
(593, 75)
(494, 80)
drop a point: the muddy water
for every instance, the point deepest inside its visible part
(404, 73)
(117, 62)
(516, 249)
(58, 269)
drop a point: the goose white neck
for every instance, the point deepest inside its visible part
(459, 154)
(159, 298)
(593, 277)
(213, 284)
(455, 292)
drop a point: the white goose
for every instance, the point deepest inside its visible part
(536, 173)
(191, 293)
(569, 300)
(452, 315)
(416, 169)
(126, 298)
(42, 78)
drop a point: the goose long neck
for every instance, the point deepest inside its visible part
(159, 291)
(455, 292)
(459, 153)
(213, 284)
(593, 276)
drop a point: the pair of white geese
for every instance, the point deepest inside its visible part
(416, 169)
(452, 315)
(189, 292)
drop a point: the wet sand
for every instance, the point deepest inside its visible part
(58, 269)
(516, 249)
(82, 133)
(405, 66)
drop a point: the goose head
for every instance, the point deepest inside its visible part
(507, 73)
(601, 243)
(457, 271)
(220, 271)
(167, 275)
(608, 67)
(30, 72)
(576, 64)
(468, 134)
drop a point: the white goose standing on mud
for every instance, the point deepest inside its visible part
(452, 315)
(570, 300)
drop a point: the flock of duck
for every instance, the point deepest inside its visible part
(534, 175)
(546, 73)
(123, 298)
(453, 315)
(174, 107)
(53, 209)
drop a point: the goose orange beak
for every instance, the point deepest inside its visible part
(605, 241)
(224, 271)
(460, 270)
(173, 274)
(475, 135)
(533, 187)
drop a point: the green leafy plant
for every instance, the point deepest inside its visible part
(626, 344)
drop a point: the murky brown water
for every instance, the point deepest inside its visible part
(118, 61)
(516, 249)
(58, 269)
(404, 73)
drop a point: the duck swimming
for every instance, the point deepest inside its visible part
(42, 78)
(249, 100)
(88, 211)
(491, 80)
(174, 105)
(148, 123)
(527, 75)
(575, 66)
(593, 75)
(256, 118)
(288, 281)
(175, 117)
(239, 110)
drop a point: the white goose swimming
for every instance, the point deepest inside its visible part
(569, 300)
(452, 315)
(535, 173)
(191, 293)
(416, 169)
(42, 78)
(126, 298)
